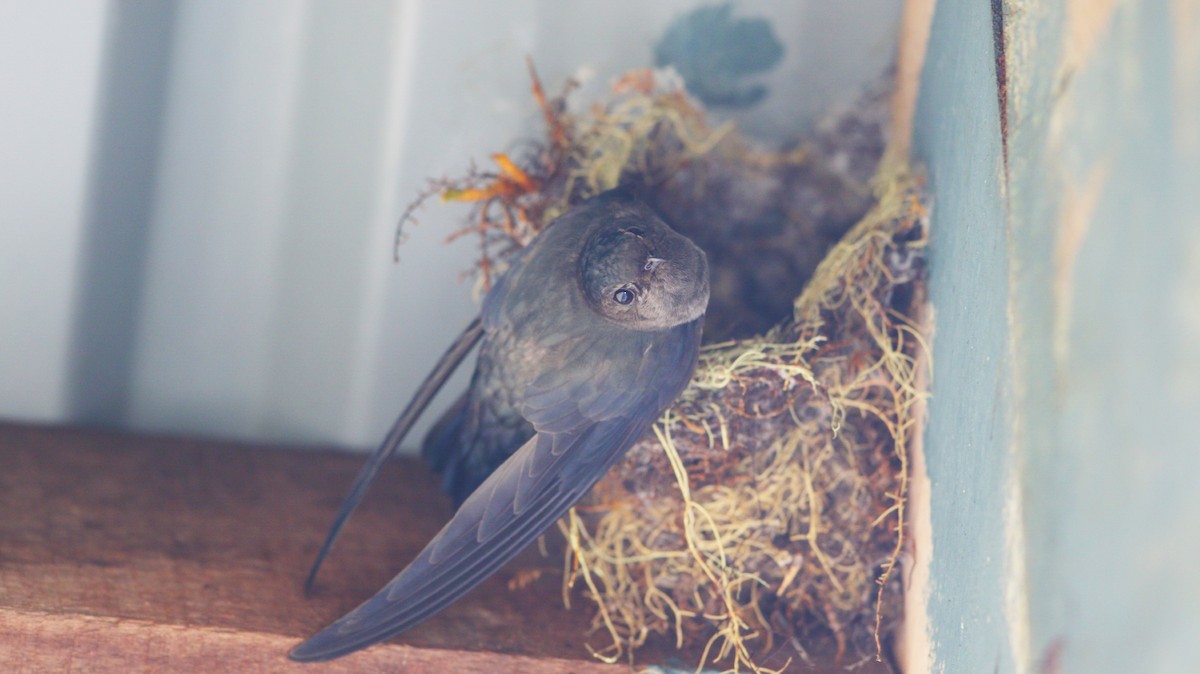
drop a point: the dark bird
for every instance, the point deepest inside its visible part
(587, 338)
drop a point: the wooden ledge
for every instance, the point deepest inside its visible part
(44, 642)
(123, 553)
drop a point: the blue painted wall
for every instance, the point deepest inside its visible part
(1106, 237)
(969, 432)
(1063, 445)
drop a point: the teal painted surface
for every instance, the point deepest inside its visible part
(1106, 240)
(1067, 352)
(969, 434)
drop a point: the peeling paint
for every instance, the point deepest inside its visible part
(1019, 43)
(1078, 209)
(1087, 22)
(917, 652)
(1016, 586)
(1186, 24)
(1022, 59)
(910, 57)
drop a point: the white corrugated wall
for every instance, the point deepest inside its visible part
(197, 198)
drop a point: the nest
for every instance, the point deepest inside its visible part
(767, 507)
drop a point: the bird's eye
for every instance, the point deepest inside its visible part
(623, 296)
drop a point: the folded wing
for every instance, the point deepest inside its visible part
(583, 426)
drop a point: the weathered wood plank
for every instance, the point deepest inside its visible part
(127, 553)
(35, 643)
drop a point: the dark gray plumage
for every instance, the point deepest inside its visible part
(590, 335)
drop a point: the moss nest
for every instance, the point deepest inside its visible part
(767, 508)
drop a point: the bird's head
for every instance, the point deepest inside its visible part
(637, 271)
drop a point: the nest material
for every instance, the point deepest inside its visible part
(786, 469)
(777, 507)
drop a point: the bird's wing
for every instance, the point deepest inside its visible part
(425, 393)
(583, 428)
